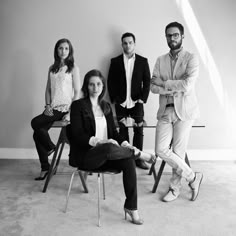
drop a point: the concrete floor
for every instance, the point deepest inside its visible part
(26, 211)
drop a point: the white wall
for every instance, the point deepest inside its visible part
(30, 28)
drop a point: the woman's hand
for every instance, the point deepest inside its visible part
(113, 141)
(128, 145)
(48, 111)
(107, 141)
(66, 117)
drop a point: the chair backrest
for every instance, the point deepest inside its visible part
(108, 171)
(72, 161)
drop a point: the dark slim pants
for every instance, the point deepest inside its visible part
(137, 113)
(113, 157)
(41, 124)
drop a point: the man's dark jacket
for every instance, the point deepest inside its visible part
(140, 82)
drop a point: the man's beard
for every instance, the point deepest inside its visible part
(176, 46)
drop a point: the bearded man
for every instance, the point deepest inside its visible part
(174, 77)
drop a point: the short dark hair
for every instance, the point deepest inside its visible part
(127, 34)
(175, 24)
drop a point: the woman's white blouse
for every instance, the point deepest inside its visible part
(101, 127)
(101, 132)
(61, 90)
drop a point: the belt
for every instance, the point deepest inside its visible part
(170, 105)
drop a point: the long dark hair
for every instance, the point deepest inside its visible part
(103, 104)
(69, 61)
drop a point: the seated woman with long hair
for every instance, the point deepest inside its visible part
(63, 87)
(95, 143)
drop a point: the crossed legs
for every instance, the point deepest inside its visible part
(171, 128)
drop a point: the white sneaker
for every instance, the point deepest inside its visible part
(170, 196)
(195, 185)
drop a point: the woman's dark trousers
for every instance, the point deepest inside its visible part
(113, 157)
(41, 125)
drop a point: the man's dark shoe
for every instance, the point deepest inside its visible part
(142, 164)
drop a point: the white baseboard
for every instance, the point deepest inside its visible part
(25, 153)
(211, 154)
(194, 154)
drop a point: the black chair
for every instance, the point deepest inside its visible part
(83, 177)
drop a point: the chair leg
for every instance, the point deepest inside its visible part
(83, 180)
(68, 193)
(51, 169)
(158, 176)
(59, 157)
(99, 223)
(151, 169)
(186, 159)
(103, 186)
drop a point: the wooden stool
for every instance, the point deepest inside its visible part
(152, 170)
(57, 155)
(156, 176)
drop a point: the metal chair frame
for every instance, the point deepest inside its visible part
(83, 180)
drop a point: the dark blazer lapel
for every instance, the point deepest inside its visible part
(109, 130)
(88, 110)
(121, 64)
(136, 66)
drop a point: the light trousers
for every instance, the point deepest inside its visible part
(171, 128)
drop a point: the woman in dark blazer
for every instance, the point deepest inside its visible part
(96, 144)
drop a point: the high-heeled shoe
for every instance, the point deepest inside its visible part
(42, 176)
(131, 214)
(51, 151)
(153, 159)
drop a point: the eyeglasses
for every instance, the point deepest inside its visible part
(175, 36)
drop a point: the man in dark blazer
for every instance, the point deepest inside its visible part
(128, 87)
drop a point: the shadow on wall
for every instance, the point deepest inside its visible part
(16, 107)
(114, 35)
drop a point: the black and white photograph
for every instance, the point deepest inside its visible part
(117, 118)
